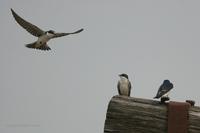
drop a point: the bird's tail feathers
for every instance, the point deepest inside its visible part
(34, 45)
(31, 45)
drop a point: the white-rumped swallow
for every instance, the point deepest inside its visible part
(43, 36)
(124, 85)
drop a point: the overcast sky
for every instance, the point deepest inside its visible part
(68, 88)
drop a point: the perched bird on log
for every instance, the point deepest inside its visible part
(163, 91)
(124, 85)
(43, 36)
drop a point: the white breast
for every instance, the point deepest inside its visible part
(44, 38)
(124, 87)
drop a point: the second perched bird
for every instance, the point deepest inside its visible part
(124, 85)
(164, 89)
(43, 36)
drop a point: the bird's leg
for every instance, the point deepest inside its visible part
(164, 99)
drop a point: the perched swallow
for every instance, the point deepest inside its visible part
(164, 89)
(124, 85)
(43, 36)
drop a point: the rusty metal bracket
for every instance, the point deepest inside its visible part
(178, 117)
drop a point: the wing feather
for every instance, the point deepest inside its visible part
(129, 86)
(34, 30)
(65, 34)
(118, 87)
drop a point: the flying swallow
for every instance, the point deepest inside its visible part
(164, 89)
(124, 85)
(43, 36)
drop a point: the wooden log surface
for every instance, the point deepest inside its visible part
(136, 115)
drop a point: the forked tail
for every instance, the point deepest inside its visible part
(31, 45)
(34, 46)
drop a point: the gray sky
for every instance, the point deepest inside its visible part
(68, 88)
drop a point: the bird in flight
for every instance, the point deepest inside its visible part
(163, 90)
(124, 85)
(43, 36)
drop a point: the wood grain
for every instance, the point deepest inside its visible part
(136, 115)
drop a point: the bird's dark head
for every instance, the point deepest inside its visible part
(50, 32)
(168, 84)
(124, 75)
(166, 81)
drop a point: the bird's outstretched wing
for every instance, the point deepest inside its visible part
(65, 34)
(34, 30)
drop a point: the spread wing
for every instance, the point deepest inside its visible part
(65, 34)
(34, 30)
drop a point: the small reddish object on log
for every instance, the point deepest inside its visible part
(178, 117)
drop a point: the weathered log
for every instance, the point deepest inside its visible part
(136, 115)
